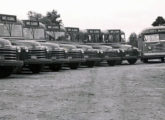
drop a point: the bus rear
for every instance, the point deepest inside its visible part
(151, 43)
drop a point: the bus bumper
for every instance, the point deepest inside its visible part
(13, 63)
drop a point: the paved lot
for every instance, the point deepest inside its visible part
(125, 92)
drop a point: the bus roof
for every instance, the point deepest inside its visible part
(153, 29)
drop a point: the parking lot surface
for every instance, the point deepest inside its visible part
(124, 92)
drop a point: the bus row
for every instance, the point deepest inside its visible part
(33, 45)
(18, 54)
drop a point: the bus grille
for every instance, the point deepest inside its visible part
(111, 54)
(8, 54)
(58, 54)
(92, 54)
(75, 54)
(40, 54)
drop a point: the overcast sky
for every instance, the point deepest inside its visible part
(128, 15)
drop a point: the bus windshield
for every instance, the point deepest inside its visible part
(154, 37)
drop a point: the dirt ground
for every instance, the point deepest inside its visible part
(125, 92)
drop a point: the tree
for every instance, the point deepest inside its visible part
(159, 21)
(52, 18)
(34, 16)
(133, 40)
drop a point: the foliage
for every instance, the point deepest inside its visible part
(159, 21)
(52, 17)
(133, 40)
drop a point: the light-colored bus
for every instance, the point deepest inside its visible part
(151, 43)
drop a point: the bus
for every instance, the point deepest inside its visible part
(72, 34)
(91, 36)
(113, 36)
(151, 43)
(116, 39)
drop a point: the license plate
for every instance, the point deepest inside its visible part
(70, 57)
(106, 56)
(127, 55)
(86, 56)
(2, 58)
(54, 58)
(33, 57)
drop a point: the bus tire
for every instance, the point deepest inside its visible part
(55, 67)
(35, 68)
(73, 65)
(118, 62)
(162, 59)
(5, 71)
(132, 61)
(144, 60)
(111, 62)
(90, 64)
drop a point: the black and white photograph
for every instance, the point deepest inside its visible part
(82, 60)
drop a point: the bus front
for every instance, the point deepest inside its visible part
(152, 44)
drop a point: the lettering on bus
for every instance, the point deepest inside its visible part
(8, 18)
(29, 23)
(72, 29)
(94, 31)
(53, 27)
(114, 31)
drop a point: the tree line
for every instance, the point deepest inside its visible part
(51, 18)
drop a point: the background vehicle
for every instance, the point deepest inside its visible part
(109, 54)
(91, 55)
(91, 36)
(127, 52)
(116, 39)
(9, 58)
(75, 56)
(72, 34)
(56, 55)
(32, 53)
(151, 43)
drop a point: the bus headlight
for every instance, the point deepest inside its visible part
(26, 49)
(122, 50)
(66, 51)
(18, 50)
(101, 52)
(149, 47)
(118, 51)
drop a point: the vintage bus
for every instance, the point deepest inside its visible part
(72, 34)
(113, 36)
(116, 39)
(151, 43)
(55, 32)
(91, 36)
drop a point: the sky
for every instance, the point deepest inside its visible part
(127, 15)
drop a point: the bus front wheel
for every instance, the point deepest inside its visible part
(132, 61)
(162, 59)
(144, 60)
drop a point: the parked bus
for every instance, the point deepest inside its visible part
(72, 34)
(151, 43)
(113, 36)
(91, 36)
